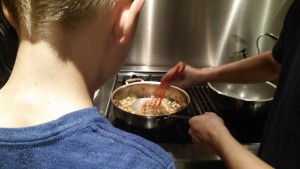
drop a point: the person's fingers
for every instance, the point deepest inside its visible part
(177, 70)
(194, 139)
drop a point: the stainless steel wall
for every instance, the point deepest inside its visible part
(204, 32)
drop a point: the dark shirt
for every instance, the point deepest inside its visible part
(83, 139)
(280, 144)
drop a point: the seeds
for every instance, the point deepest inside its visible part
(167, 107)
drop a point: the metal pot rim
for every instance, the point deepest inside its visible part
(149, 82)
(242, 99)
(145, 82)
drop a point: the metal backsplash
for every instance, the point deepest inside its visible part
(204, 32)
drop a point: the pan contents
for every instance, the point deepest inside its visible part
(166, 107)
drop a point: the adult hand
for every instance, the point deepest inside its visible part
(206, 129)
(187, 77)
(209, 130)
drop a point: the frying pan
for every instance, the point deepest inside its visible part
(143, 90)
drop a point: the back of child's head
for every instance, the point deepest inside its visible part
(36, 15)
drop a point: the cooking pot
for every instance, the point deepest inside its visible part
(248, 99)
(142, 90)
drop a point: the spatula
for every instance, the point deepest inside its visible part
(154, 102)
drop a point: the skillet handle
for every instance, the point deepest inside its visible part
(181, 117)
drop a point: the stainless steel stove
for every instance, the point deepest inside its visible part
(246, 129)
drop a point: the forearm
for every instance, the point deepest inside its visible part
(235, 156)
(250, 70)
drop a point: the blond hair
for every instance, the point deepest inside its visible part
(36, 15)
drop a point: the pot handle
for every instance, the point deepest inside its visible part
(133, 80)
(181, 117)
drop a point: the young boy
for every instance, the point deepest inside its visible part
(67, 50)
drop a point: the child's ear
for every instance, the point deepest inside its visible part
(8, 16)
(126, 23)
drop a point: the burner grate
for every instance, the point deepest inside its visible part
(200, 100)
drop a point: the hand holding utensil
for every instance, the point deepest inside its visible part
(159, 92)
(153, 103)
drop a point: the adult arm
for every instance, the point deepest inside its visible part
(253, 69)
(209, 130)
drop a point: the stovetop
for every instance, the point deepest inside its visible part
(177, 142)
(246, 129)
